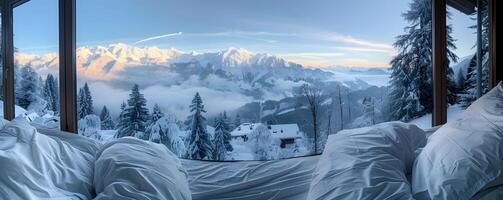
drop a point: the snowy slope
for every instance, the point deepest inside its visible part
(424, 122)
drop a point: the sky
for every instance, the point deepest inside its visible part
(316, 33)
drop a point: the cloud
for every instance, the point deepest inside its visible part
(174, 99)
(358, 62)
(362, 49)
(351, 40)
(158, 37)
(311, 55)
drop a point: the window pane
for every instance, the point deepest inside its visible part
(465, 69)
(251, 80)
(36, 62)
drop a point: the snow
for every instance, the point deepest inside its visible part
(107, 135)
(282, 131)
(424, 122)
(286, 111)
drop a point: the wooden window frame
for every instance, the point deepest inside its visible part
(68, 75)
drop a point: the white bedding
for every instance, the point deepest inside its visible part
(465, 155)
(128, 168)
(282, 179)
(35, 166)
(368, 163)
(250, 180)
(67, 166)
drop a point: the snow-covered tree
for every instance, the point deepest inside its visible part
(51, 93)
(219, 150)
(166, 131)
(84, 102)
(222, 138)
(369, 110)
(133, 118)
(313, 97)
(469, 93)
(199, 143)
(29, 91)
(89, 126)
(106, 120)
(262, 143)
(411, 68)
(156, 114)
(237, 120)
(227, 132)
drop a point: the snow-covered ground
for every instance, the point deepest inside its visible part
(424, 122)
(18, 110)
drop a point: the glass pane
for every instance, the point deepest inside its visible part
(250, 80)
(36, 62)
(465, 69)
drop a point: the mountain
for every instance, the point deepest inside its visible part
(108, 62)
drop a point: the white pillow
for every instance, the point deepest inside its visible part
(3, 122)
(35, 166)
(367, 163)
(465, 155)
(129, 168)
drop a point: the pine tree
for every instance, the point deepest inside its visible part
(156, 113)
(227, 132)
(106, 120)
(199, 143)
(219, 140)
(369, 110)
(469, 94)
(237, 121)
(29, 87)
(84, 102)
(403, 96)
(133, 118)
(122, 122)
(51, 93)
(412, 68)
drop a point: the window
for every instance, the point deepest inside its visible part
(36, 62)
(465, 69)
(250, 82)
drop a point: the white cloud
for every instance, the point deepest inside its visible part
(175, 99)
(311, 55)
(351, 40)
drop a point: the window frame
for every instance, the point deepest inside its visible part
(68, 74)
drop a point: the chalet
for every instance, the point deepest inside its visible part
(286, 133)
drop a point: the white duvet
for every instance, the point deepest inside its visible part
(367, 163)
(129, 168)
(37, 166)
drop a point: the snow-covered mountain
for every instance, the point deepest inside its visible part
(111, 61)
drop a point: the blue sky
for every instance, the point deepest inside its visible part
(311, 32)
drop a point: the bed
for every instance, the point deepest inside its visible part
(295, 178)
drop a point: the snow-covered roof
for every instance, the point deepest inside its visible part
(285, 130)
(281, 131)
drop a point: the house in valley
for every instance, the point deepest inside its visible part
(288, 134)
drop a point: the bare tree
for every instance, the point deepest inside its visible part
(340, 108)
(313, 97)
